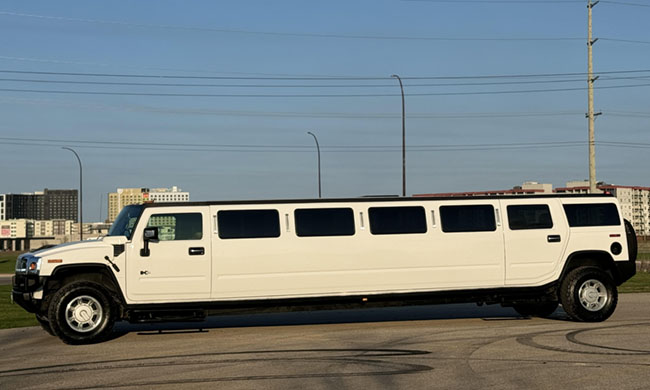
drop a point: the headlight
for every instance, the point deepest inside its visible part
(28, 264)
(34, 265)
(21, 265)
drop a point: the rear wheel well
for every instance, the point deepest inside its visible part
(97, 274)
(599, 259)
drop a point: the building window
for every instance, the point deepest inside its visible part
(397, 220)
(248, 223)
(457, 219)
(324, 222)
(176, 227)
(521, 217)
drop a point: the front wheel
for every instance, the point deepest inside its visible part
(45, 324)
(588, 294)
(81, 313)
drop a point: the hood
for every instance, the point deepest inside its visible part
(71, 247)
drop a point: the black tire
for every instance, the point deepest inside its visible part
(588, 294)
(544, 309)
(81, 313)
(45, 324)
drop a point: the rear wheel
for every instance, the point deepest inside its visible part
(588, 294)
(81, 313)
(544, 309)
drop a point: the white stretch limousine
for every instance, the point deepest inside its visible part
(173, 261)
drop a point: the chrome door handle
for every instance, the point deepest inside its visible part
(144, 272)
(197, 251)
(553, 238)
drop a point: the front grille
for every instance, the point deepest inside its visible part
(26, 283)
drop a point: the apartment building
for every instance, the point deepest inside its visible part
(41, 205)
(127, 196)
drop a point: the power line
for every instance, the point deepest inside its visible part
(280, 34)
(625, 3)
(321, 78)
(308, 147)
(305, 150)
(625, 40)
(284, 114)
(415, 85)
(215, 95)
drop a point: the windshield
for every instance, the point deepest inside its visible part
(125, 221)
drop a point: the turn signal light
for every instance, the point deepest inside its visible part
(55, 261)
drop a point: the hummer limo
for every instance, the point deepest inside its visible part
(185, 261)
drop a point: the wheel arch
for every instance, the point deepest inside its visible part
(99, 274)
(591, 258)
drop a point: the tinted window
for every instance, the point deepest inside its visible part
(179, 226)
(397, 220)
(467, 218)
(324, 222)
(597, 214)
(529, 217)
(248, 223)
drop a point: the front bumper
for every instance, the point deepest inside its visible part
(23, 288)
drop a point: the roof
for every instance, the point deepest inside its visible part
(367, 200)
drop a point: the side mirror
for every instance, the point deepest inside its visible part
(149, 234)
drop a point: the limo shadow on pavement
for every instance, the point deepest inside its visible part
(321, 317)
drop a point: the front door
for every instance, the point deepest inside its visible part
(178, 265)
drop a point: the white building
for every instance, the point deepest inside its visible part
(128, 196)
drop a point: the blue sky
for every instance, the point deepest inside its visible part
(355, 39)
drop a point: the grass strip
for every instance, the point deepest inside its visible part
(12, 315)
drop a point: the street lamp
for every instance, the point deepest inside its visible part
(81, 204)
(318, 150)
(401, 87)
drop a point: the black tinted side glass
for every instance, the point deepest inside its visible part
(248, 223)
(397, 220)
(478, 218)
(522, 217)
(592, 214)
(324, 222)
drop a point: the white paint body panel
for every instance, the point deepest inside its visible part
(293, 267)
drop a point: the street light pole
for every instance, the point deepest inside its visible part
(81, 204)
(318, 150)
(401, 87)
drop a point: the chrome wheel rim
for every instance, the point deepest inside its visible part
(593, 295)
(83, 314)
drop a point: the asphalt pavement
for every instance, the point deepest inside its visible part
(5, 279)
(425, 347)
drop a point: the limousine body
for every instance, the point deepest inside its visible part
(184, 261)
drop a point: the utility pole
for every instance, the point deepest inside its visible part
(591, 115)
(401, 87)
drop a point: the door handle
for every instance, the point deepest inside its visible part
(554, 238)
(197, 251)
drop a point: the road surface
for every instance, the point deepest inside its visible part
(426, 347)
